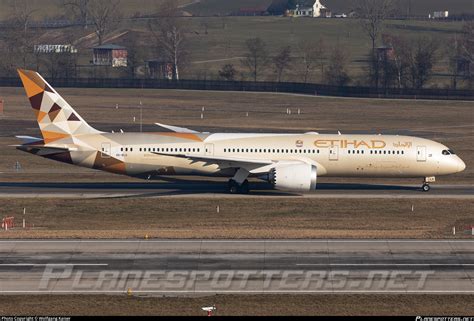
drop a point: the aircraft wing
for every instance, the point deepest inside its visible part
(178, 129)
(252, 165)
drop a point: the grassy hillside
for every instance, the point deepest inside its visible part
(418, 7)
(49, 8)
(224, 41)
(226, 45)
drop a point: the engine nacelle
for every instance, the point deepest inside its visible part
(296, 177)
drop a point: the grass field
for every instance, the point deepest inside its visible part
(239, 305)
(277, 218)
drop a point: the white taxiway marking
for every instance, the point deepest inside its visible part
(385, 264)
(246, 291)
(239, 241)
(54, 264)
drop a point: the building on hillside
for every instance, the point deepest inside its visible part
(385, 53)
(310, 8)
(110, 55)
(47, 49)
(439, 15)
(159, 69)
(251, 11)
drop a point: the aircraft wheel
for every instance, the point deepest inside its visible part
(233, 187)
(425, 188)
(244, 188)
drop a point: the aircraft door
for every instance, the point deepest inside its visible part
(421, 153)
(209, 149)
(105, 151)
(334, 153)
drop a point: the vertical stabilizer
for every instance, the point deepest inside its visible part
(56, 118)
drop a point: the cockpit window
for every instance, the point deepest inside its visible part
(448, 152)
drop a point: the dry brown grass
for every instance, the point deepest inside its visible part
(270, 217)
(240, 305)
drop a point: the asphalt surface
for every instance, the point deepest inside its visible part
(193, 267)
(212, 189)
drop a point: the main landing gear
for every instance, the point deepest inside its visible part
(239, 183)
(235, 188)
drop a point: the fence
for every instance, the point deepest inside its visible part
(283, 87)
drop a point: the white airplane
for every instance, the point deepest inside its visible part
(288, 161)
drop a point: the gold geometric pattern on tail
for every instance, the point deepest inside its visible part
(56, 118)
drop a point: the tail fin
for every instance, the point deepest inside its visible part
(56, 118)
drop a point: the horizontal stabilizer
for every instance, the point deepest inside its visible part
(42, 150)
(29, 139)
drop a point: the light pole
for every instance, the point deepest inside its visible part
(141, 117)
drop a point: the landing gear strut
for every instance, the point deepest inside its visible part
(236, 188)
(426, 183)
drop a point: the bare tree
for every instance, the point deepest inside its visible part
(104, 16)
(467, 50)
(371, 14)
(282, 61)
(22, 12)
(313, 55)
(413, 60)
(453, 53)
(169, 33)
(400, 48)
(421, 56)
(78, 8)
(228, 72)
(336, 72)
(17, 37)
(256, 58)
(135, 54)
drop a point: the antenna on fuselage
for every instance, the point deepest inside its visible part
(339, 133)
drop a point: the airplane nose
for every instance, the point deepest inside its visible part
(461, 165)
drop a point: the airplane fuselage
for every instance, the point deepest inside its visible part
(152, 154)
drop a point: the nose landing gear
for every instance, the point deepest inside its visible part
(426, 186)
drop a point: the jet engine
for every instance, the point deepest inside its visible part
(296, 177)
